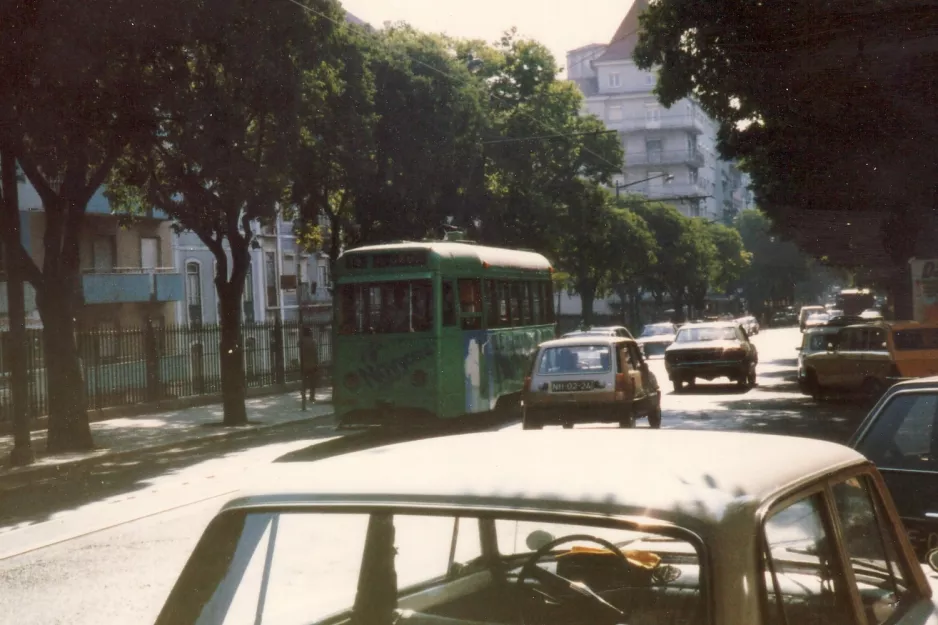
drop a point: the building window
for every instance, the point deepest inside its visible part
(653, 114)
(248, 297)
(149, 253)
(649, 79)
(325, 278)
(653, 150)
(615, 113)
(614, 79)
(270, 263)
(103, 252)
(194, 293)
(693, 174)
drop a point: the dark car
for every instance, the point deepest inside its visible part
(900, 436)
(709, 351)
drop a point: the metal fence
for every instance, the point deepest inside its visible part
(127, 366)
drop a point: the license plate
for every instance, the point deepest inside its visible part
(572, 387)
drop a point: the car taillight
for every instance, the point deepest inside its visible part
(621, 385)
(527, 384)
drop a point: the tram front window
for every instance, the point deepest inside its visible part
(386, 307)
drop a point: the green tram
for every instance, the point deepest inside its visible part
(435, 330)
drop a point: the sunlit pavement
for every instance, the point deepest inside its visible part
(108, 543)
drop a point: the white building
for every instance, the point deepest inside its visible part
(679, 141)
(280, 274)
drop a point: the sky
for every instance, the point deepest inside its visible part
(561, 26)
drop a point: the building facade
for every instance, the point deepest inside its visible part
(128, 277)
(281, 275)
(673, 150)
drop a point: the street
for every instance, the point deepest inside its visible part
(108, 543)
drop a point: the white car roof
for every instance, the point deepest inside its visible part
(691, 478)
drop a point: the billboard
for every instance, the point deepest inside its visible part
(925, 289)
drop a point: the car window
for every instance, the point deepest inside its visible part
(802, 583)
(276, 573)
(575, 359)
(876, 338)
(904, 434)
(871, 550)
(423, 546)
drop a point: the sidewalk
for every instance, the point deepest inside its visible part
(115, 437)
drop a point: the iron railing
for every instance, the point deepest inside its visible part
(127, 366)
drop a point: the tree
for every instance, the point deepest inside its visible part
(229, 129)
(776, 265)
(824, 103)
(635, 253)
(686, 260)
(80, 80)
(540, 145)
(731, 258)
(584, 248)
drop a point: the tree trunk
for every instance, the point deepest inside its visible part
(233, 388)
(587, 297)
(68, 416)
(230, 291)
(22, 453)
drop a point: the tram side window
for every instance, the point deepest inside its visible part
(549, 302)
(470, 303)
(449, 304)
(515, 303)
(525, 295)
(537, 290)
(350, 309)
(422, 306)
(492, 304)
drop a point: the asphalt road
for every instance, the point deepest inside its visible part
(105, 546)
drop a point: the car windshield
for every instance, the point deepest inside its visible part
(658, 330)
(697, 335)
(386, 307)
(904, 434)
(304, 567)
(818, 317)
(575, 359)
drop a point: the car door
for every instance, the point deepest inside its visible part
(644, 388)
(875, 361)
(632, 370)
(901, 439)
(852, 372)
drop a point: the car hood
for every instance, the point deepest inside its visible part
(681, 347)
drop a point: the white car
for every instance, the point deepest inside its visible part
(656, 337)
(562, 527)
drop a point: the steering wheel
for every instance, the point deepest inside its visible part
(563, 592)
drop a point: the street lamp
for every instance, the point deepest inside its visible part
(667, 178)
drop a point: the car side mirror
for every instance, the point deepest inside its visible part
(932, 558)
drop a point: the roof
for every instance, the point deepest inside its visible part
(711, 324)
(623, 43)
(693, 478)
(459, 251)
(586, 338)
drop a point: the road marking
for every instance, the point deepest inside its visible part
(19, 551)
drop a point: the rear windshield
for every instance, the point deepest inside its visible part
(575, 359)
(658, 330)
(693, 335)
(917, 338)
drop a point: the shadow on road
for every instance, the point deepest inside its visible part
(128, 474)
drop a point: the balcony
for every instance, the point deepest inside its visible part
(132, 284)
(673, 190)
(687, 122)
(690, 157)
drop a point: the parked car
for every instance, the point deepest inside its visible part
(870, 357)
(656, 337)
(807, 311)
(602, 331)
(783, 318)
(709, 351)
(900, 436)
(587, 379)
(813, 340)
(597, 526)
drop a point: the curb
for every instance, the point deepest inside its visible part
(19, 477)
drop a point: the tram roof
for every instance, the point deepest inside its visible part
(453, 254)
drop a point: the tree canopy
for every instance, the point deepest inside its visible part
(823, 103)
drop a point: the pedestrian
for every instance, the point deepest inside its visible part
(309, 356)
